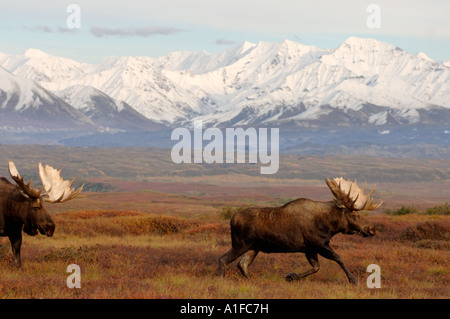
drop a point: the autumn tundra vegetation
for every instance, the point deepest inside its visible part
(152, 234)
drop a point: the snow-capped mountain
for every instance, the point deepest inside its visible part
(362, 82)
(26, 106)
(47, 70)
(106, 111)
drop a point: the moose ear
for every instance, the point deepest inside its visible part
(24, 195)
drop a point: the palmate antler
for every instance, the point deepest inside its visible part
(57, 190)
(26, 188)
(347, 194)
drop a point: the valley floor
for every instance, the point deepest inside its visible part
(146, 254)
(147, 228)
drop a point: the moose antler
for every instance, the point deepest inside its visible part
(347, 194)
(58, 190)
(26, 188)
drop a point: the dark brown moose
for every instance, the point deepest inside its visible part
(22, 207)
(302, 225)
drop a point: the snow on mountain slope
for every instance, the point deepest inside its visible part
(363, 81)
(271, 80)
(203, 62)
(245, 81)
(23, 103)
(138, 82)
(104, 110)
(279, 81)
(395, 77)
(49, 71)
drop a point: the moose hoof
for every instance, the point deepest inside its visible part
(291, 277)
(220, 273)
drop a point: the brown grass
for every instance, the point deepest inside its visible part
(130, 254)
(117, 223)
(159, 233)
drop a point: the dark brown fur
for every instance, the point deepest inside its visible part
(302, 225)
(17, 212)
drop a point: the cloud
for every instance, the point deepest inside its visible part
(39, 28)
(67, 30)
(132, 31)
(47, 29)
(224, 42)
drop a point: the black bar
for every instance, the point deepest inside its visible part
(226, 308)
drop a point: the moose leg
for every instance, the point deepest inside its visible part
(314, 262)
(329, 253)
(16, 243)
(230, 256)
(246, 261)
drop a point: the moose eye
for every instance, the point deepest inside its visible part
(355, 215)
(35, 209)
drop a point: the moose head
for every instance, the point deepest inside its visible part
(351, 198)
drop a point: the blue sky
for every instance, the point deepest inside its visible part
(155, 28)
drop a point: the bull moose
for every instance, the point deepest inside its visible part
(302, 225)
(22, 207)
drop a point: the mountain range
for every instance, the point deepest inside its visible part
(340, 100)
(27, 106)
(363, 82)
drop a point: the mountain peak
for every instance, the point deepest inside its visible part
(245, 46)
(366, 44)
(364, 52)
(424, 56)
(288, 42)
(353, 40)
(35, 53)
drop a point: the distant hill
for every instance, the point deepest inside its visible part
(141, 164)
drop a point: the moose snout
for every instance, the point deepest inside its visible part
(50, 230)
(369, 231)
(47, 229)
